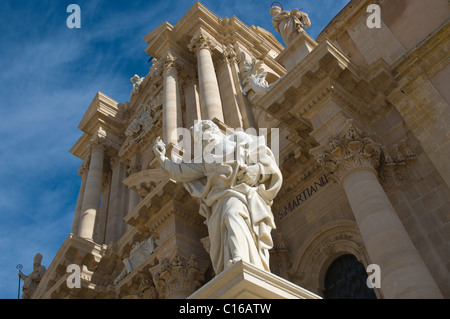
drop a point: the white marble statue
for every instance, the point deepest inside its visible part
(236, 182)
(289, 23)
(137, 81)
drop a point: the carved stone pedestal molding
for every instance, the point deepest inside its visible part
(178, 277)
(245, 281)
(352, 159)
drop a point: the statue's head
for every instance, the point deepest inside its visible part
(134, 79)
(275, 10)
(37, 260)
(205, 132)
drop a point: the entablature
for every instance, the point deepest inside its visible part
(256, 41)
(103, 121)
(75, 250)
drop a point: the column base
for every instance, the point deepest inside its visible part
(245, 281)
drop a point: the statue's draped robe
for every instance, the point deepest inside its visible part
(239, 217)
(289, 24)
(31, 282)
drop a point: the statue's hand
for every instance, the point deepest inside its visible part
(160, 150)
(249, 175)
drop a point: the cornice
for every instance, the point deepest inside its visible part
(103, 119)
(144, 181)
(102, 109)
(79, 248)
(322, 56)
(424, 61)
(349, 13)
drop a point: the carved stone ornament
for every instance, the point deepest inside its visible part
(229, 54)
(353, 149)
(201, 41)
(144, 290)
(254, 78)
(84, 167)
(148, 115)
(139, 253)
(169, 61)
(97, 144)
(345, 152)
(177, 275)
(397, 168)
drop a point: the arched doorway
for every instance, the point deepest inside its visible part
(346, 279)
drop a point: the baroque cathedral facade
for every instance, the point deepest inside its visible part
(359, 119)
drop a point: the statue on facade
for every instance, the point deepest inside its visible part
(31, 281)
(236, 181)
(137, 81)
(289, 23)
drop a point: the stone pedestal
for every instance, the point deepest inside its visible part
(245, 281)
(296, 51)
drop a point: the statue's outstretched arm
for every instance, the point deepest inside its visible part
(180, 172)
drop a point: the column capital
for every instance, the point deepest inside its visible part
(348, 150)
(168, 62)
(229, 54)
(83, 169)
(97, 144)
(201, 41)
(133, 169)
(113, 161)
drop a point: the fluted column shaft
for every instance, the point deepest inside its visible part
(171, 100)
(115, 225)
(92, 193)
(210, 101)
(76, 218)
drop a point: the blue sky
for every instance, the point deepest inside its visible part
(50, 74)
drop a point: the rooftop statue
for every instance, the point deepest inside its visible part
(289, 23)
(31, 281)
(236, 182)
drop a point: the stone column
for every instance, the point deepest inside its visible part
(171, 100)
(193, 112)
(103, 212)
(352, 160)
(210, 100)
(76, 219)
(115, 225)
(133, 198)
(93, 190)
